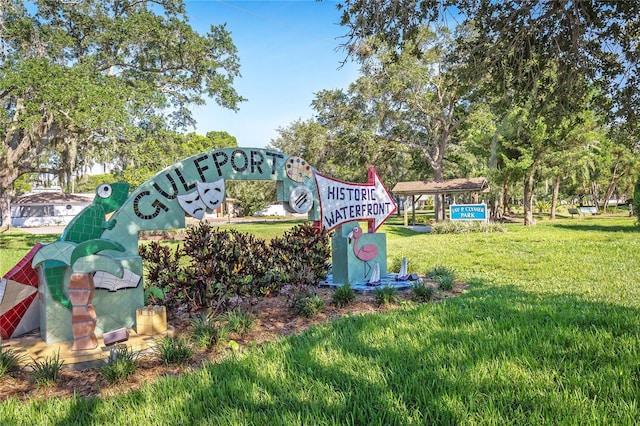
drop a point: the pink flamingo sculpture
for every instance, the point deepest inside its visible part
(366, 252)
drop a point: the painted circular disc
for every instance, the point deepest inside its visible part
(301, 199)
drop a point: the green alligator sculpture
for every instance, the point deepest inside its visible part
(84, 232)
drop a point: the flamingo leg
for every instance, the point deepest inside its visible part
(367, 268)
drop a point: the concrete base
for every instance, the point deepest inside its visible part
(34, 347)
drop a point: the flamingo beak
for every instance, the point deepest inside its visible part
(350, 237)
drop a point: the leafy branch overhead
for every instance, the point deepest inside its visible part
(77, 77)
(517, 41)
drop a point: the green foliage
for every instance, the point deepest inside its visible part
(395, 264)
(525, 326)
(636, 199)
(121, 364)
(89, 183)
(153, 295)
(543, 206)
(307, 303)
(238, 321)
(445, 282)
(81, 69)
(421, 292)
(224, 263)
(343, 295)
(206, 332)
(302, 255)
(463, 227)
(173, 350)
(443, 276)
(9, 360)
(165, 277)
(385, 295)
(153, 152)
(46, 371)
(251, 196)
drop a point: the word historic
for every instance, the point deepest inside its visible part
(342, 202)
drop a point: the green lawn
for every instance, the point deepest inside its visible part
(547, 333)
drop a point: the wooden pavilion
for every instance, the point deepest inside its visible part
(439, 190)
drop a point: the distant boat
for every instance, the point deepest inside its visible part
(375, 276)
(403, 275)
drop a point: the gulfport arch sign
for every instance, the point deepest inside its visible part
(191, 187)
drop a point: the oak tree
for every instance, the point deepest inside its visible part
(76, 78)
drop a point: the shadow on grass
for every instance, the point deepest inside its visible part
(489, 355)
(401, 231)
(495, 355)
(597, 228)
(25, 240)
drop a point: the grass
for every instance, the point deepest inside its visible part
(15, 244)
(173, 350)
(206, 332)
(307, 304)
(343, 295)
(46, 371)
(385, 295)
(238, 321)
(122, 363)
(548, 332)
(9, 360)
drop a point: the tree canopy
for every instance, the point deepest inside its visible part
(77, 78)
(537, 64)
(516, 42)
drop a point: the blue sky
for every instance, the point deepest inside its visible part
(288, 51)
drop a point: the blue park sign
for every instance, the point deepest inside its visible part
(468, 212)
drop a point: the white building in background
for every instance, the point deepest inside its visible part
(47, 208)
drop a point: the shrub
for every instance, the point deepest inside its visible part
(9, 360)
(46, 371)
(303, 255)
(227, 263)
(165, 277)
(395, 264)
(224, 263)
(543, 206)
(206, 333)
(385, 295)
(174, 350)
(121, 364)
(443, 276)
(439, 271)
(445, 282)
(636, 199)
(459, 227)
(343, 295)
(307, 304)
(420, 292)
(239, 322)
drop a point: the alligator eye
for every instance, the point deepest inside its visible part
(104, 190)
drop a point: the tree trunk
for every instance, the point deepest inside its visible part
(438, 202)
(5, 210)
(505, 199)
(595, 194)
(554, 197)
(613, 182)
(528, 197)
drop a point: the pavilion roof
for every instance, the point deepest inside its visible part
(450, 186)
